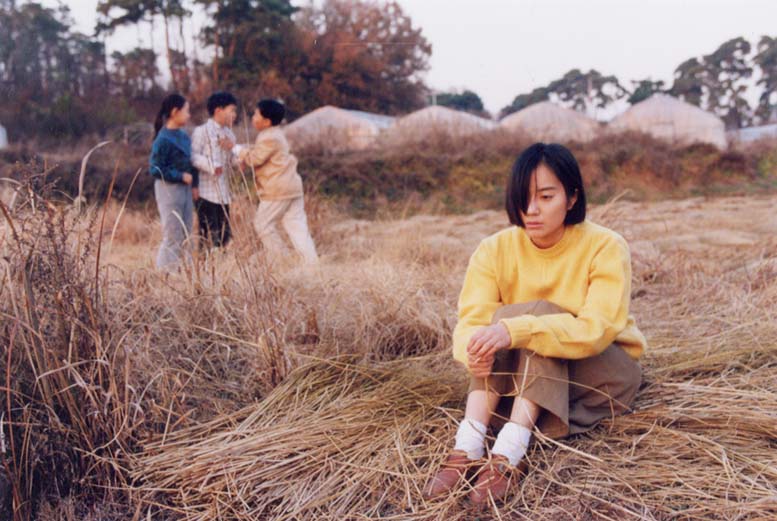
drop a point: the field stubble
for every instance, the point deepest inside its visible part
(237, 390)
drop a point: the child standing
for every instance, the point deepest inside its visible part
(212, 156)
(278, 184)
(176, 182)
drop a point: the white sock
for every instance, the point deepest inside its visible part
(471, 438)
(512, 442)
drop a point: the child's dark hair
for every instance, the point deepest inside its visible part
(561, 161)
(172, 101)
(272, 110)
(219, 100)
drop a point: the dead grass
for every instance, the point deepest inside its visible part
(230, 391)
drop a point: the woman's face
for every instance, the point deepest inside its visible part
(180, 117)
(547, 209)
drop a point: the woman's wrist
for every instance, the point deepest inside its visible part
(519, 329)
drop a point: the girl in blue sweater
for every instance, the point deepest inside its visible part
(176, 182)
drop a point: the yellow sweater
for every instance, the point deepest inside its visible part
(588, 273)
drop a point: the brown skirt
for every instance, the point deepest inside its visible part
(574, 394)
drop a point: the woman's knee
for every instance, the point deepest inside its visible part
(535, 307)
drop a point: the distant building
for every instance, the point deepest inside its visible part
(750, 134)
(436, 120)
(673, 120)
(336, 129)
(546, 121)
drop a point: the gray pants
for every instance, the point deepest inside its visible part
(174, 201)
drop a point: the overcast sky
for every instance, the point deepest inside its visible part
(501, 48)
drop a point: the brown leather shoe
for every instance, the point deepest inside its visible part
(495, 479)
(452, 471)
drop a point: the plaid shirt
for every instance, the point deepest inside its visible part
(207, 155)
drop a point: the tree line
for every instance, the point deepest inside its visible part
(59, 83)
(717, 82)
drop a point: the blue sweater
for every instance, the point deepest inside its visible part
(171, 156)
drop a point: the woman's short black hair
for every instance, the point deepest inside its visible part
(561, 161)
(219, 100)
(272, 110)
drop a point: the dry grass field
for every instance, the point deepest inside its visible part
(239, 391)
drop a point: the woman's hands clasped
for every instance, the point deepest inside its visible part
(482, 348)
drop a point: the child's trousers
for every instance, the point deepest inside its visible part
(574, 395)
(215, 229)
(174, 201)
(290, 213)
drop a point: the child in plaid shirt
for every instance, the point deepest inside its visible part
(211, 154)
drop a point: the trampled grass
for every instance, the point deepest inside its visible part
(237, 390)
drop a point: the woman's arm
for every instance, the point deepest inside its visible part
(478, 301)
(603, 315)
